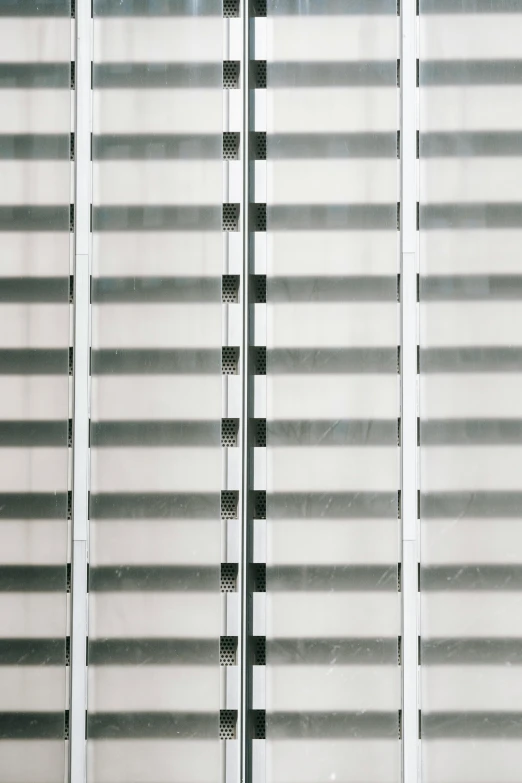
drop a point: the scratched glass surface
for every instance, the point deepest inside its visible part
(470, 390)
(35, 124)
(154, 604)
(333, 620)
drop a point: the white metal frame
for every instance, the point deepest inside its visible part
(81, 406)
(409, 396)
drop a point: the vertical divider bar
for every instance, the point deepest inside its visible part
(245, 662)
(409, 386)
(81, 385)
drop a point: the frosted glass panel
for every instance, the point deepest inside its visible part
(154, 601)
(333, 609)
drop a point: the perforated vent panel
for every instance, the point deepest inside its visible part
(230, 289)
(227, 724)
(230, 217)
(231, 145)
(231, 71)
(228, 577)
(228, 650)
(260, 146)
(229, 430)
(229, 503)
(230, 360)
(260, 360)
(231, 8)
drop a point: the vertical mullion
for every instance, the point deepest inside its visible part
(409, 472)
(81, 391)
(246, 384)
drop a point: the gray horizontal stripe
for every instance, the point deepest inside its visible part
(331, 725)
(474, 288)
(37, 75)
(330, 652)
(470, 216)
(149, 725)
(343, 578)
(287, 146)
(157, 218)
(157, 75)
(150, 652)
(464, 651)
(33, 433)
(32, 725)
(156, 289)
(335, 432)
(35, 8)
(464, 432)
(155, 433)
(34, 361)
(466, 72)
(465, 360)
(34, 289)
(460, 725)
(31, 146)
(333, 7)
(470, 6)
(326, 361)
(148, 8)
(32, 652)
(33, 578)
(332, 217)
(155, 505)
(158, 146)
(109, 579)
(34, 218)
(33, 505)
(372, 73)
(467, 144)
(332, 289)
(332, 505)
(458, 505)
(471, 577)
(156, 362)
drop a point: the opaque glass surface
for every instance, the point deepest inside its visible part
(333, 610)
(154, 602)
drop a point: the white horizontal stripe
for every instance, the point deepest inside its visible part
(334, 109)
(332, 396)
(158, 111)
(36, 253)
(156, 397)
(471, 541)
(468, 252)
(154, 688)
(160, 615)
(40, 40)
(475, 395)
(477, 760)
(46, 182)
(180, 325)
(138, 182)
(34, 397)
(35, 111)
(40, 761)
(467, 688)
(470, 324)
(325, 614)
(468, 180)
(479, 614)
(324, 253)
(470, 107)
(453, 468)
(165, 469)
(32, 688)
(332, 542)
(331, 38)
(470, 36)
(161, 39)
(333, 688)
(333, 469)
(332, 182)
(33, 541)
(26, 615)
(186, 254)
(332, 325)
(154, 542)
(153, 761)
(33, 469)
(327, 760)
(34, 325)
